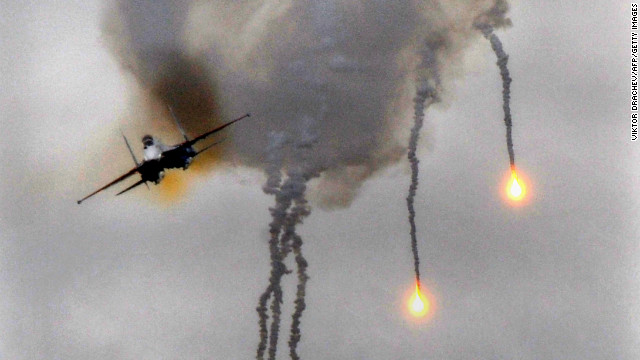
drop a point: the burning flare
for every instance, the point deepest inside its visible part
(418, 304)
(515, 189)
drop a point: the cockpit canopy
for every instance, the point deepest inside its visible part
(147, 140)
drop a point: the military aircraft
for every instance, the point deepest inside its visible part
(158, 157)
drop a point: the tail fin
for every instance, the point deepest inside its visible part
(178, 122)
(132, 154)
(130, 150)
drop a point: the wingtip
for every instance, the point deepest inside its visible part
(79, 202)
(248, 115)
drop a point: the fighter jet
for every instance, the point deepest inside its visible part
(159, 157)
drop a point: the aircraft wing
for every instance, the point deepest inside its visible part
(124, 176)
(203, 136)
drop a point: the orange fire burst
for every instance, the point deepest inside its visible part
(175, 185)
(172, 188)
(516, 188)
(419, 305)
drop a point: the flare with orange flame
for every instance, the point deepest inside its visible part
(516, 189)
(418, 304)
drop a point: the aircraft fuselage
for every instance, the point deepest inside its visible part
(159, 157)
(170, 157)
(151, 170)
(179, 157)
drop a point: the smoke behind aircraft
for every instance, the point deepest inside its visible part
(347, 65)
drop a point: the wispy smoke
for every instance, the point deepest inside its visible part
(503, 58)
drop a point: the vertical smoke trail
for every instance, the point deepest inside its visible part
(298, 176)
(292, 190)
(496, 45)
(298, 212)
(300, 305)
(278, 213)
(425, 96)
(283, 226)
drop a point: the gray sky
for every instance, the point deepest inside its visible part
(142, 276)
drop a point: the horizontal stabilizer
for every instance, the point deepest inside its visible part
(191, 142)
(131, 187)
(209, 147)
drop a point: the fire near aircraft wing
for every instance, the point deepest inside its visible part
(126, 175)
(195, 140)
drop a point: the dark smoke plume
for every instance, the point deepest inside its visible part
(496, 45)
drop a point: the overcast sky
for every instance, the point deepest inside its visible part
(177, 274)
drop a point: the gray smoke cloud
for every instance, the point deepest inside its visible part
(213, 60)
(124, 278)
(503, 58)
(341, 68)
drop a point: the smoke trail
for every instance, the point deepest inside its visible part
(496, 45)
(274, 164)
(425, 96)
(298, 212)
(298, 176)
(292, 190)
(283, 226)
(299, 302)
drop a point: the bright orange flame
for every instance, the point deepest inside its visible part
(418, 304)
(176, 183)
(516, 188)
